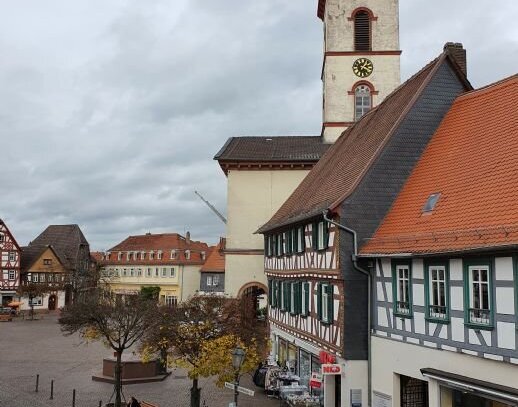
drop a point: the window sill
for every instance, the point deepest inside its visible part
(326, 322)
(401, 315)
(471, 325)
(445, 321)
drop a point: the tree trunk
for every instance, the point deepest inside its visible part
(195, 393)
(118, 379)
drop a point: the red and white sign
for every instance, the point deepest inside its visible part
(326, 358)
(316, 380)
(331, 369)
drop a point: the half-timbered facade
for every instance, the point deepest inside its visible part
(10, 255)
(445, 265)
(338, 206)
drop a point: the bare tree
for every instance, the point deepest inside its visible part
(120, 322)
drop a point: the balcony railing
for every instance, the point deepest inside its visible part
(403, 307)
(438, 312)
(480, 316)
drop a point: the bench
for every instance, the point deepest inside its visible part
(146, 404)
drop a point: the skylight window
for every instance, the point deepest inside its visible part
(432, 200)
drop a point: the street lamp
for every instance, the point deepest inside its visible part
(238, 356)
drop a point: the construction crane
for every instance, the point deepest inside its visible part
(212, 208)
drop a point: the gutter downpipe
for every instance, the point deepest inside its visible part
(354, 259)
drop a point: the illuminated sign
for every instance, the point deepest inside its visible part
(331, 369)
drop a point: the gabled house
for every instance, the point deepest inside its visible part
(42, 265)
(73, 250)
(444, 264)
(318, 302)
(10, 257)
(212, 279)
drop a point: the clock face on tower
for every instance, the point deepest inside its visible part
(363, 67)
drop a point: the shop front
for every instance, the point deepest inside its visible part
(304, 364)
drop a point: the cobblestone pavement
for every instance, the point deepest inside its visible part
(28, 348)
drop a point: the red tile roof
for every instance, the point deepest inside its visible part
(343, 166)
(216, 260)
(165, 242)
(472, 162)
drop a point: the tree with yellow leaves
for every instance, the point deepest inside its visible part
(199, 335)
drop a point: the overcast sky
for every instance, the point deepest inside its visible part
(111, 111)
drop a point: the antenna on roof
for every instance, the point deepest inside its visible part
(212, 208)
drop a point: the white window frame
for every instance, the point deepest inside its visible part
(215, 281)
(300, 239)
(170, 300)
(173, 272)
(436, 284)
(12, 275)
(159, 255)
(405, 295)
(325, 303)
(164, 272)
(479, 315)
(293, 298)
(187, 254)
(151, 255)
(35, 278)
(157, 272)
(173, 254)
(148, 272)
(12, 256)
(36, 301)
(303, 305)
(1, 237)
(209, 281)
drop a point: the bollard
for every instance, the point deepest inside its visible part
(37, 382)
(52, 389)
(74, 398)
(100, 403)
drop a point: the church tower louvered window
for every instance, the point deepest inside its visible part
(362, 31)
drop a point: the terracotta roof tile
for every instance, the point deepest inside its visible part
(335, 176)
(216, 260)
(471, 162)
(165, 242)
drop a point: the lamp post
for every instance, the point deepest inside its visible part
(238, 356)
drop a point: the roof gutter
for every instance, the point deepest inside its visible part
(357, 267)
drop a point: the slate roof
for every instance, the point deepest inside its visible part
(273, 149)
(216, 260)
(471, 161)
(65, 240)
(342, 167)
(166, 242)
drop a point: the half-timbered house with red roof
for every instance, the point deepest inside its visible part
(444, 264)
(318, 306)
(10, 257)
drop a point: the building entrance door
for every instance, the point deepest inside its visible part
(53, 299)
(414, 392)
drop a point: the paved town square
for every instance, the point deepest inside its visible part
(42, 349)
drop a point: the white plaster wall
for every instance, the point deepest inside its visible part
(391, 357)
(242, 269)
(504, 268)
(189, 281)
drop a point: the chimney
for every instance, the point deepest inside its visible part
(188, 237)
(457, 51)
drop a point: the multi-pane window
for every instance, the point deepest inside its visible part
(12, 275)
(173, 273)
(36, 301)
(148, 272)
(12, 256)
(293, 297)
(280, 245)
(132, 272)
(156, 271)
(35, 278)
(362, 101)
(479, 295)
(437, 292)
(42, 277)
(215, 281)
(325, 302)
(209, 281)
(403, 281)
(47, 262)
(304, 299)
(300, 239)
(151, 255)
(164, 272)
(1, 237)
(187, 254)
(139, 272)
(320, 235)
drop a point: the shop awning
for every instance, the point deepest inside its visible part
(480, 387)
(15, 304)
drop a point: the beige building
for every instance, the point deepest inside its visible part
(360, 68)
(169, 261)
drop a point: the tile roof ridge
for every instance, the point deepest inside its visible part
(491, 87)
(435, 66)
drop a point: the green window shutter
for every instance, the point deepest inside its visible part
(278, 292)
(314, 235)
(306, 293)
(270, 289)
(303, 248)
(299, 297)
(288, 242)
(287, 296)
(319, 301)
(330, 303)
(326, 234)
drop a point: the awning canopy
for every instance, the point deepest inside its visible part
(480, 387)
(15, 304)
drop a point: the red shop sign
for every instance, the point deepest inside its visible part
(331, 369)
(326, 358)
(316, 380)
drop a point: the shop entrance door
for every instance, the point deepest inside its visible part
(414, 392)
(338, 390)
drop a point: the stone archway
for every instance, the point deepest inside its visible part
(256, 293)
(53, 302)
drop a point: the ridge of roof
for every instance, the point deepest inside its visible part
(491, 87)
(299, 206)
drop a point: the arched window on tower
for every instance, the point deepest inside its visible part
(362, 101)
(362, 31)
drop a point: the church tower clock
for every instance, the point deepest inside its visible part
(361, 59)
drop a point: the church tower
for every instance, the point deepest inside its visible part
(361, 59)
